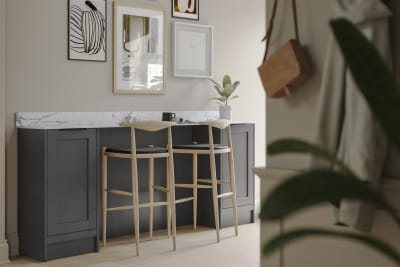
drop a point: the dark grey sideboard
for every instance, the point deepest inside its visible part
(59, 196)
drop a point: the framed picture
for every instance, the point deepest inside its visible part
(186, 9)
(192, 50)
(87, 30)
(138, 48)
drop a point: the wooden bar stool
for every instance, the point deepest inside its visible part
(210, 149)
(135, 153)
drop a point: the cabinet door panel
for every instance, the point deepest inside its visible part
(243, 154)
(71, 181)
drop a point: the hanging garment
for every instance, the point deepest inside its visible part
(345, 125)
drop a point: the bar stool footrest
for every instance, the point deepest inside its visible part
(154, 204)
(119, 192)
(209, 181)
(184, 200)
(130, 207)
(225, 195)
(160, 188)
(193, 186)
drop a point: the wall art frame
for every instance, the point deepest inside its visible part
(139, 48)
(185, 9)
(192, 50)
(87, 30)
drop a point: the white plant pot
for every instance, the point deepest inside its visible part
(225, 112)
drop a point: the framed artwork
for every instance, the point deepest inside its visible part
(186, 9)
(138, 48)
(192, 50)
(87, 30)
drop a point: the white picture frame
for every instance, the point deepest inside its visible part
(139, 54)
(192, 50)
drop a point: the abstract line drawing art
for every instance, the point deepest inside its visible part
(87, 30)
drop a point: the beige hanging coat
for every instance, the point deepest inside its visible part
(345, 125)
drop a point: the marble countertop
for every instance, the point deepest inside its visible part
(74, 120)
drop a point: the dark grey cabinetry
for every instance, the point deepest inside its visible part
(59, 198)
(57, 192)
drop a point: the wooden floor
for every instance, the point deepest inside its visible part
(194, 249)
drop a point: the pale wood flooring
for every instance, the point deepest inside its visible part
(194, 249)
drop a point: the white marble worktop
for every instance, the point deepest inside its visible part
(70, 120)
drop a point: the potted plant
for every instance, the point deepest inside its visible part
(225, 92)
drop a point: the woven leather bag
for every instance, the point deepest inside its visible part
(288, 67)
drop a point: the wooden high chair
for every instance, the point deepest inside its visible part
(134, 153)
(211, 149)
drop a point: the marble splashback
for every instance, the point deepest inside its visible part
(65, 120)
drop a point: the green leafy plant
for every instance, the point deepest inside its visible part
(382, 92)
(226, 90)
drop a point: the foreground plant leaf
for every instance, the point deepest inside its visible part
(317, 186)
(289, 237)
(291, 145)
(372, 75)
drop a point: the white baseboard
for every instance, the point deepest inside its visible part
(3, 252)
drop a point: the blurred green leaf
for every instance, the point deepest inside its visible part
(217, 86)
(316, 186)
(291, 145)
(228, 90)
(235, 85)
(218, 90)
(382, 92)
(226, 81)
(288, 237)
(372, 75)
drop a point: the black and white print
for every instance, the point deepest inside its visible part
(87, 27)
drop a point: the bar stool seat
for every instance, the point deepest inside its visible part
(200, 146)
(139, 150)
(212, 183)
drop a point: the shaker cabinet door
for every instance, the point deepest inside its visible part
(71, 185)
(243, 155)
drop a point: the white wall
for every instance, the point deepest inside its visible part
(3, 242)
(40, 78)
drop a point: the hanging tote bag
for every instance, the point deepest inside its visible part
(288, 67)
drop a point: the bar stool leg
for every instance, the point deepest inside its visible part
(168, 197)
(170, 160)
(172, 204)
(214, 193)
(233, 189)
(151, 196)
(135, 202)
(195, 191)
(104, 192)
(232, 181)
(213, 173)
